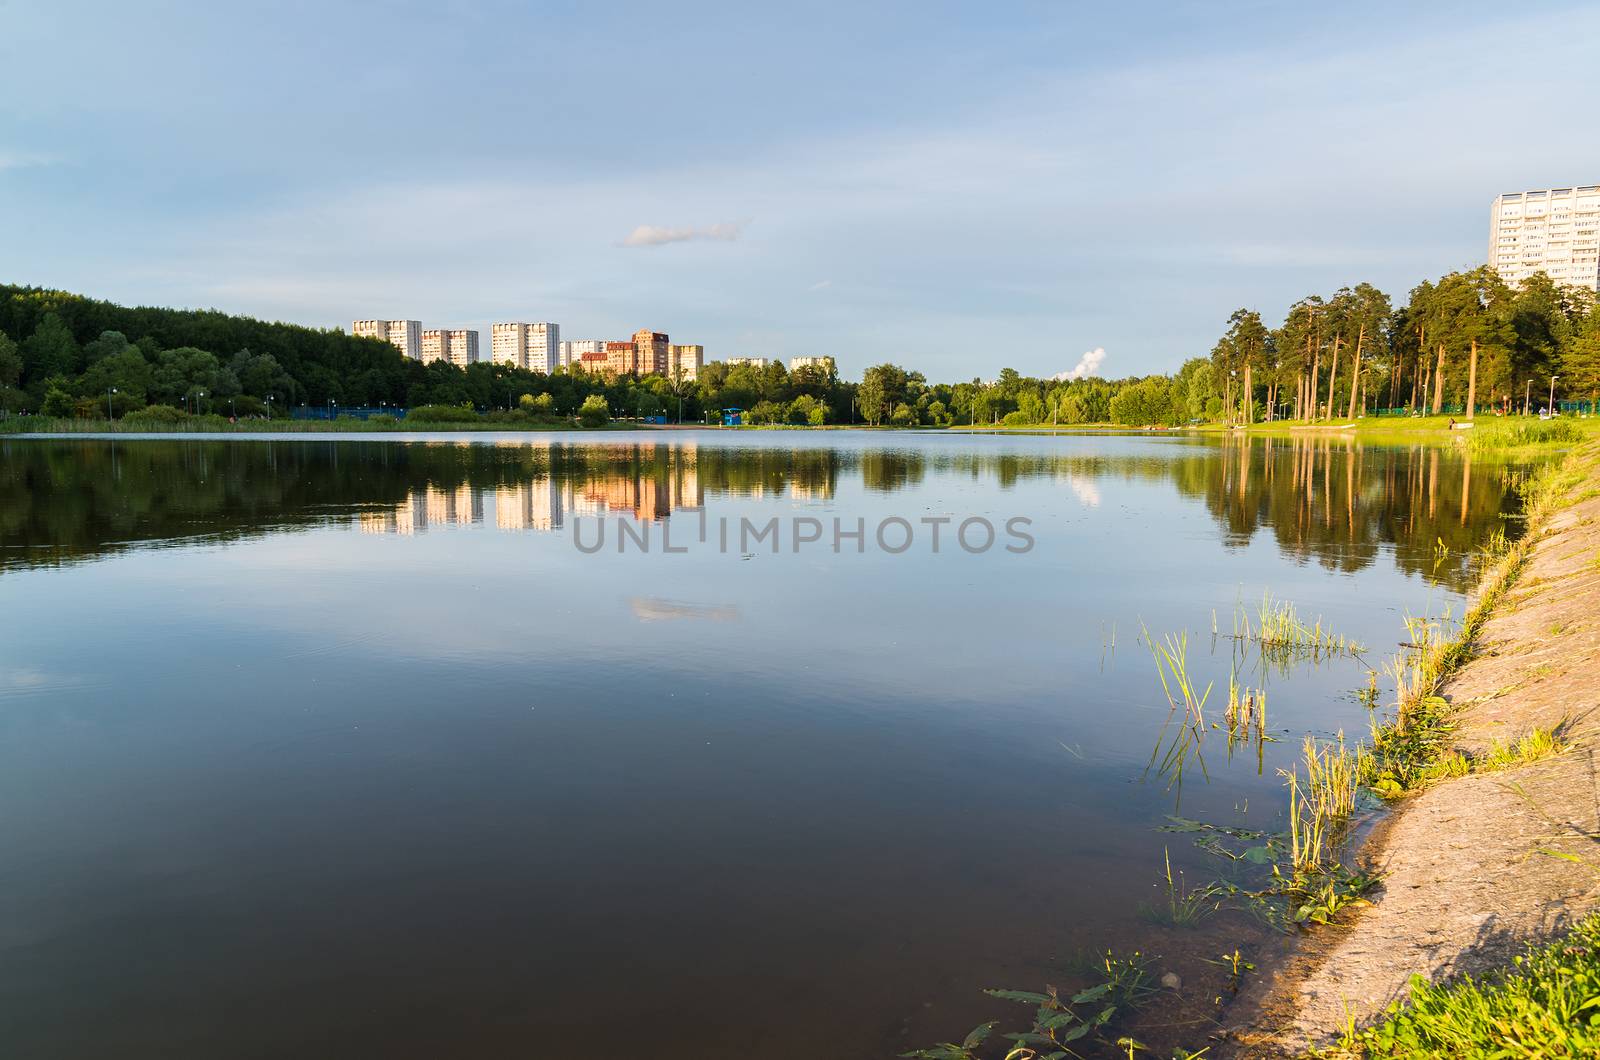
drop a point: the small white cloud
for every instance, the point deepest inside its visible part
(659, 235)
(820, 285)
(1088, 364)
(11, 160)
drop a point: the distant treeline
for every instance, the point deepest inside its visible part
(1464, 337)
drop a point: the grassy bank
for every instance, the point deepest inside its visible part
(1547, 1004)
(1525, 434)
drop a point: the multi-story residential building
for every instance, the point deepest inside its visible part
(824, 363)
(654, 351)
(1555, 231)
(536, 347)
(404, 335)
(458, 346)
(753, 362)
(573, 352)
(592, 362)
(685, 362)
(621, 358)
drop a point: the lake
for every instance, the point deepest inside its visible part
(422, 746)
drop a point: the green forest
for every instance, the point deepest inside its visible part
(1465, 339)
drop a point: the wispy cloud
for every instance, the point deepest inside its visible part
(820, 285)
(1089, 364)
(22, 160)
(659, 235)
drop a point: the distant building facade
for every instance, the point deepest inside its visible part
(753, 362)
(824, 363)
(403, 335)
(458, 346)
(536, 347)
(621, 358)
(573, 352)
(653, 352)
(685, 361)
(1555, 231)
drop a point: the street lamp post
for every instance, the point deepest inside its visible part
(109, 392)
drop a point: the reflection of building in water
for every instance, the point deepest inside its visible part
(644, 497)
(462, 507)
(533, 506)
(647, 483)
(432, 506)
(686, 489)
(411, 515)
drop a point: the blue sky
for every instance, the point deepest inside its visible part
(957, 187)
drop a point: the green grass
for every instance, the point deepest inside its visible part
(1414, 430)
(1527, 432)
(1546, 1005)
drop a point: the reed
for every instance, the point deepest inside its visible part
(1246, 713)
(1321, 805)
(1186, 714)
(1179, 906)
(1279, 630)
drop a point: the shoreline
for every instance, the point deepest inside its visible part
(1478, 867)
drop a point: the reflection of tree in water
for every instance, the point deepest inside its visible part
(1323, 498)
(1335, 501)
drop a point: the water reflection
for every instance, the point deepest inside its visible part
(1326, 499)
(404, 763)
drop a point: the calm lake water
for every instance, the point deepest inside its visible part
(343, 747)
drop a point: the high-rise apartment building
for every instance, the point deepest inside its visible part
(404, 335)
(753, 362)
(685, 362)
(1555, 231)
(536, 347)
(458, 346)
(654, 351)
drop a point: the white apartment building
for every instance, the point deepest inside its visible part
(825, 363)
(458, 346)
(685, 361)
(753, 362)
(404, 335)
(1555, 231)
(533, 346)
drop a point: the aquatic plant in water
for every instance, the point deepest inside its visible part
(1282, 635)
(1186, 708)
(1059, 1021)
(1179, 906)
